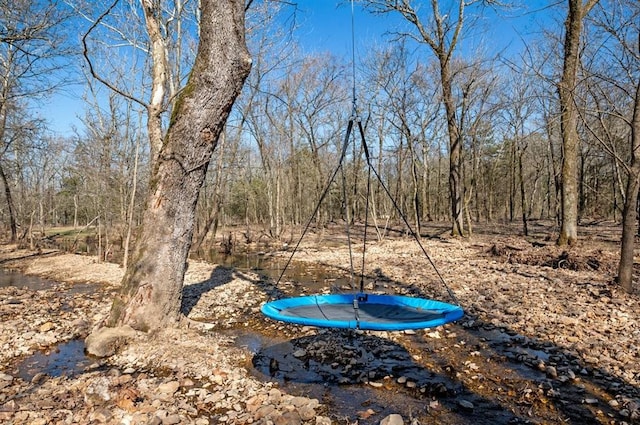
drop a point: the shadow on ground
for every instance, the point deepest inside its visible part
(471, 372)
(191, 294)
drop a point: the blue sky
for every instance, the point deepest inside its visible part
(62, 110)
(325, 25)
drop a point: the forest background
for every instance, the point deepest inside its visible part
(286, 130)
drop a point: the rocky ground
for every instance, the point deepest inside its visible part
(546, 339)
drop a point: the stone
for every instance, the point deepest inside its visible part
(79, 323)
(275, 395)
(299, 353)
(306, 413)
(10, 406)
(46, 327)
(288, 418)
(323, 420)
(633, 405)
(139, 418)
(97, 392)
(169, 387)
(161, 414)
(155, 421)
(254, 403)
(105, 342)
(551, 372)
(124, 379)
(172, 420)
(299, 401)
(264, 411)
(214, 398)
(39, 378)
(102, 416)
(393, 419)
(465, 404)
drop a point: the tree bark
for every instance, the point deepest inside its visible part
(625, 267)
(569, 120)
(11, 208)
(151, 292)
(455, 149)
(159, 72)
(523, 199)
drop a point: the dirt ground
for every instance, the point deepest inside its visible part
(547, 338)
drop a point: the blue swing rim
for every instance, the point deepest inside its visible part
(446, 312)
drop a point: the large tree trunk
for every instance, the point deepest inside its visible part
(152, 286)
(569, 121)
(523, 199)
(10, 207)
(455, 150)
(568, 126)
(625, 268)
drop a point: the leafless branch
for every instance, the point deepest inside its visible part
(94, 74)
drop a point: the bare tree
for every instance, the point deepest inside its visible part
(614, 110)
(441, 31)
(152, 286)
(32, 41)
(168, 28)
(404, 98)
(577, 11)
(625, 268)
(476, 83)
(517, 109)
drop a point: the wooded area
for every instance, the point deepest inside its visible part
(545, 132)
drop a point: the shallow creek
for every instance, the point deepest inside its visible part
(469, 372)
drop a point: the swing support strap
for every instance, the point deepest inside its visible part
(372, 169)
(355, 120)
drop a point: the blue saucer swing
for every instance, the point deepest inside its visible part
(360, 310)
(363, 311)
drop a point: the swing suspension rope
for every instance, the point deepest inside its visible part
(355, 118)
(367, 311)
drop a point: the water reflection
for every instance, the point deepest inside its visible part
(67, 358)
(312, 278)
(34, 283)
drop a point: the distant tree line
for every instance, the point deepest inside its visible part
(547, 132)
